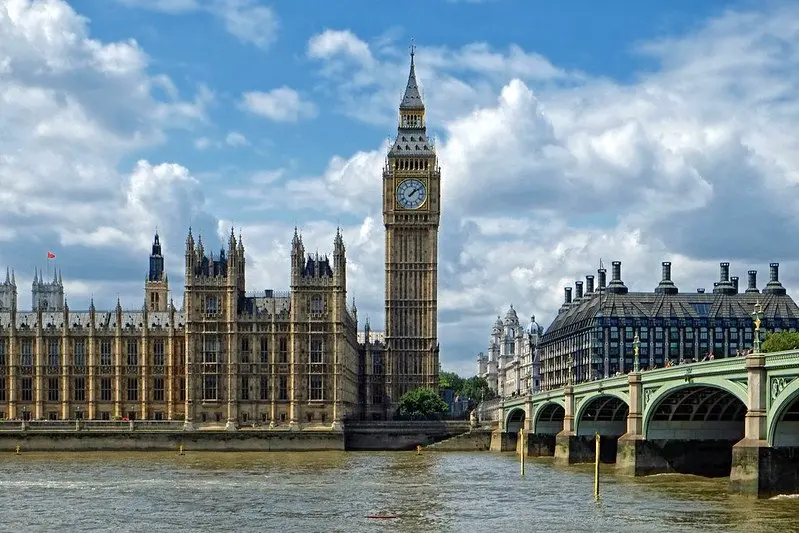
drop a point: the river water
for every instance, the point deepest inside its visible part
(335, 491)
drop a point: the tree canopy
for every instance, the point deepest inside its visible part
(475, 388)
(421, 404)
(779, 341)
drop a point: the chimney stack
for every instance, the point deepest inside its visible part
(602, 279)
(774, 286)
(616, 285)
(578, 289)
(734, 280)
(666, 286)
(665, 267)
(567, 294)
(752, 281)
(723, 286)
(724, 272)
(589, 284)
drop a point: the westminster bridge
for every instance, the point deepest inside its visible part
(736, 416)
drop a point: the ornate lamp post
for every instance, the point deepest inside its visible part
(636, 348)
(757, 314)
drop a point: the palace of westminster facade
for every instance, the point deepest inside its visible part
(287, 360)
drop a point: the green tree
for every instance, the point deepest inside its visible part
(779, 341)
(421, 404)
(450, 380)
(476, 389)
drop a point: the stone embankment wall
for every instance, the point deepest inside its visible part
(398, 435)
(385, 436)
(476, 440)
(240, 441)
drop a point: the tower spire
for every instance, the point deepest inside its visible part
(412, 99)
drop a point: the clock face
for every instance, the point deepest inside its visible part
(411, 194)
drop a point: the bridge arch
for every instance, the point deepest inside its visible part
(548, 418)
(783, 419)
(602, 413)
(696, 410)
(515, 420)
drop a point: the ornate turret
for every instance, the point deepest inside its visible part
(47, 295)
(8, 292)
(156, 286)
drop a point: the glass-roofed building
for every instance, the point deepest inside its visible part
(594, 330)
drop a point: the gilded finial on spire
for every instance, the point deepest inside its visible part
(413, 49)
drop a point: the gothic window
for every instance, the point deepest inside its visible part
(133, 352)
(52, 353)
(264, 388)
(317, 305)
(283, 388)
(283, 349)
(52, 390)
(317, 352)
(377, 364)
(80, 352)
(264, 350)
(210, 348)
(158, 389)
(27, 389)
(211, 305)
(245, 388)
(209, 387)
(182, 390)
(316, 387)
(105, 389)
(79, 389)
(133, 389)
(158, 352)
(2, 353)
(2, 389)
(105, 352)
(245, 350)
(27, 353)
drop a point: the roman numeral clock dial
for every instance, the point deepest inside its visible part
(411, 194)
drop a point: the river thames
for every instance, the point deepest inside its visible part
(335, 491)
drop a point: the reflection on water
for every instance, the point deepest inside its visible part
(335, 491)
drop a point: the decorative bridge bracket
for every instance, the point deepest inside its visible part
(778, 384)
(648, 395)
(688, 377)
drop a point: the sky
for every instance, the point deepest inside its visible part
(568, 132)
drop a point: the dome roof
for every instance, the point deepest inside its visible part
(534, 328)
(511, 318)
(497, 325)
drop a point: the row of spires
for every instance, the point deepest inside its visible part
(726, 284)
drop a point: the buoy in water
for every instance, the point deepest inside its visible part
(180, 450)
(19, 449)
(418, 449)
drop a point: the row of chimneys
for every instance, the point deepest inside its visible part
(725, 285)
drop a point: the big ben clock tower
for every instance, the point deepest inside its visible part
(411, 212)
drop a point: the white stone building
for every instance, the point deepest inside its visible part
(512, 365)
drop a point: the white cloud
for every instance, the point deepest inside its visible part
(73, 108)
(248, 20)
(235, 138)
(281, 105)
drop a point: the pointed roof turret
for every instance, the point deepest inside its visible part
(8, 275)
(13, 279)
(412, 99)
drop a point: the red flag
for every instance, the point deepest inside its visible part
(50, 255)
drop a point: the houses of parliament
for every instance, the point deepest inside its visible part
(289, 359)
